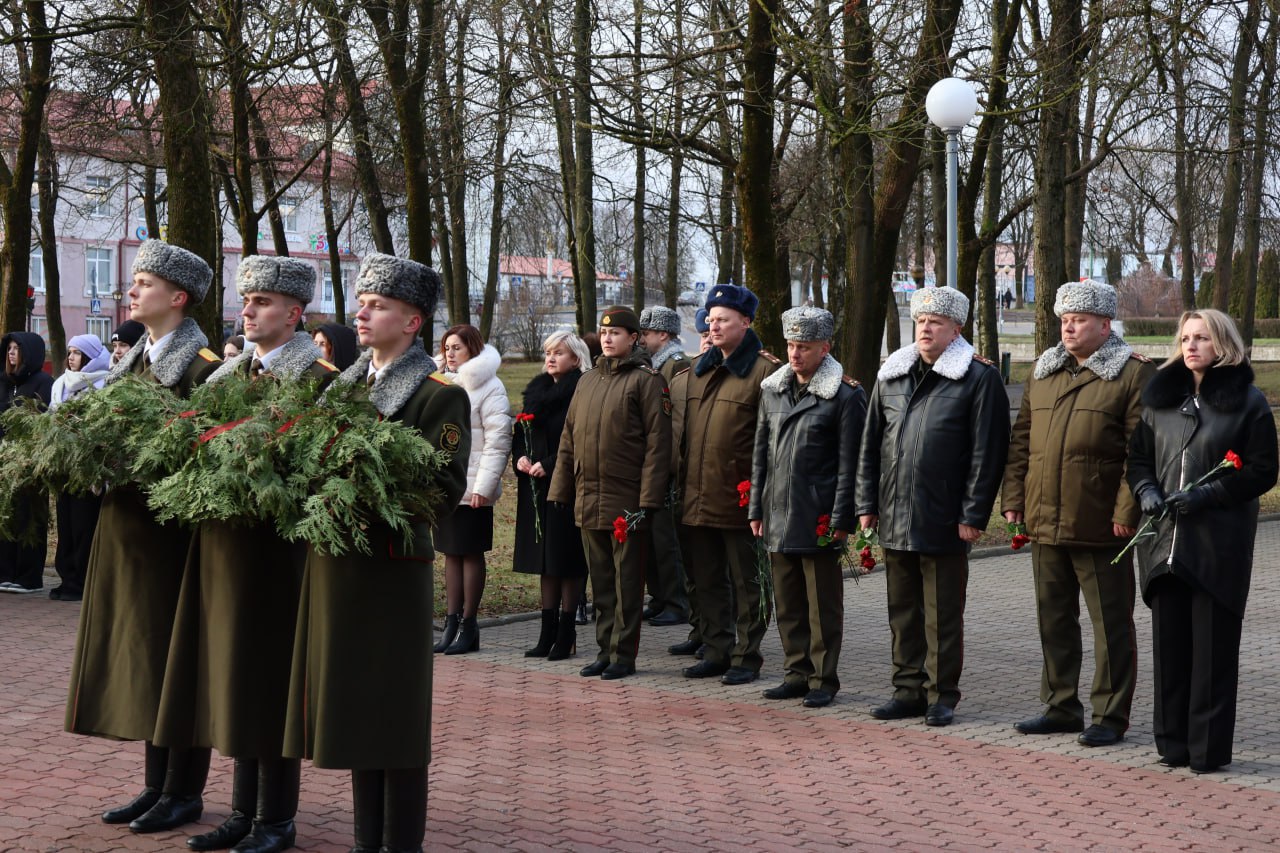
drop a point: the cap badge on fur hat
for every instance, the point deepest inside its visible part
(268, 274)
(807, 323)
(734, 296)
(943, 301)
(399, 278)
(184, 269)
(1086, 297)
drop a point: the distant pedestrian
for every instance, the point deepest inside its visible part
(932, 458)
(548, 542)
(1065, 481)
(804, 471)
(1202, 409)
(466, 534)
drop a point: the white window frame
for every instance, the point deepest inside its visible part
(40, 326)
(35, 277)
(97, 196)
(91, 277)
(100, 326)
(289, 206)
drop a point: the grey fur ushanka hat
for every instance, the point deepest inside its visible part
(944, 301)
(660, 318)
(807, 323)
(184, 269)
(399, 278)
(1086, 297)
(266, 274)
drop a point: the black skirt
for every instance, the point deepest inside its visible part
(464, 531)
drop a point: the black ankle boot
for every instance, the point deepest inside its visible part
(180, 802)
(244, 800)
(566, 644)
(404, 823)
(156, 761)
(468, 639)
(450, 632)
(273, 827)
(366, 801)
(547, 636)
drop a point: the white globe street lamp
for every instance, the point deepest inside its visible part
(951, 105)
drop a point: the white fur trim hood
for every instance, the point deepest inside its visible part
(490, 424)
(953, 363)
(824, 384)
(1107, 362)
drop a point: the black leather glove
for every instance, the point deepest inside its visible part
(1151, 500)
(1189, 501)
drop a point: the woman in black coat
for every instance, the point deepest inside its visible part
(21, 565)
(1195, 569)
(547, 540)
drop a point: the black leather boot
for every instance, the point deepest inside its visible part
(244, 799)
(156, 760)
(566, 644)
(180, 801)
(450, 631)
(273, 827)
(468, 639)
(547, 636)
(366, 801)
(404, 823)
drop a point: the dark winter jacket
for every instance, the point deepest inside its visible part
(933, 454)
(806, 457)
(29, 380)
(1181, 437)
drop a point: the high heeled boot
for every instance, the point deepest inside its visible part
(547, 636)
(273, 827)
(367, 807)
(450, 632)
(404, 823)
(156, 761)
(566, 644)
(244, 800)
(468, 639)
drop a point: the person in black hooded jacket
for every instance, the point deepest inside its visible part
(1203, 416)
(338, 343)
(22, 566)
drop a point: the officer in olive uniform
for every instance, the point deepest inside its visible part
(668, 602)
(615, 461)
(227, 678)
(360, 689)
(719, 436)
(804, 469)
(932, 458)
(136, 564)
(1065, 479)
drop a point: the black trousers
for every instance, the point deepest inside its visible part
(77, 521)
(1197, 664)
(21, 563)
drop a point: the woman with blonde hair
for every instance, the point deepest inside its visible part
(547, 539)
(1202, 455)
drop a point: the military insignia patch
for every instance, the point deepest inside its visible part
(450, 437)
(666, 401)
(606, 320)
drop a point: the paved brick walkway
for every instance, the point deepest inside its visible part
(529, 756)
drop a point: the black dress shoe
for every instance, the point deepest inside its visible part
(705, 669)
(593, 669)
(787, 690)
(229, 834)
(1099, 736)
(618, 670)
(170, 812)
(650, 611)
(688, 647)
(739, 675)
(898, 709)
(1170, 761)
(1202, 769)
(667, 618)
(818, 698)
(133, 809)
(701, 653)
(1046, 725)
(268, 838)
(939, 715)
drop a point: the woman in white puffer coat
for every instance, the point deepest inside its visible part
(465, 535)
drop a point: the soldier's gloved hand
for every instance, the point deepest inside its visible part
(1151, 500)
(1189, 501)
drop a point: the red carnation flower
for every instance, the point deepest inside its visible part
(1234, 459)
(824, 525)
(1020, 540)
(744, 493)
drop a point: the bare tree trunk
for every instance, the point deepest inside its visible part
(1184, 175)
(506, 86)
(1233, 174)
(584, 176)
(451, 156)
(639, 245)
(1074, 193)
(1254, 189)
(48, 180)
(332, 236)
(240, 193)
(270, 182)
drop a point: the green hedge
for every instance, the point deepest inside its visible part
(1167, 327)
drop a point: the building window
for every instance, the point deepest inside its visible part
(326, 289)
(100, 326)
(40, 326)
(97, 196)
(35, 277)
(289, 205)
(97, 272)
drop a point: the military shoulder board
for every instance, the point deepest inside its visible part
(208, 355)
(440, 377)
(988, 362)
(1140, 357)
(850, 381)
(770, 357)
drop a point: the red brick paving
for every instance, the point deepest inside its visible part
(529, 756)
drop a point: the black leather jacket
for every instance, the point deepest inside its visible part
(1181, 437)
(933, 454)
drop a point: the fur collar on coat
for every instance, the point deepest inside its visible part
(738, 363)
(660, 357)
(174, 360)
(396, 382)
(824, 384)
(1223, 388)
(295, 357)
(1108, 362)
(953, 363)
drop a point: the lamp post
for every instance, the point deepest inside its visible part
(951, 105)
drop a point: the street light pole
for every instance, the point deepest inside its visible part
(951, 105)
